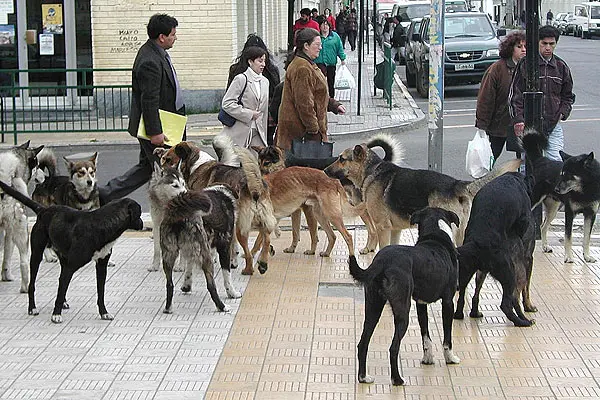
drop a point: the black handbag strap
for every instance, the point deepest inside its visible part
(305, 138)
(243, 90)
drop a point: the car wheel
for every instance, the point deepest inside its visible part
(410, 78)
(422, 84)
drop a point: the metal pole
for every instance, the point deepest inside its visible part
(436, 86)
(375, 20)
(366, 17)
(360, 54)
(532, 97)
(290, 25)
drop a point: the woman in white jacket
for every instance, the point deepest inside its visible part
(251, 115)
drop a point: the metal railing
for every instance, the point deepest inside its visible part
(48, 107)
(388, 73)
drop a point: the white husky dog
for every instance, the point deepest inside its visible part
(17, 166)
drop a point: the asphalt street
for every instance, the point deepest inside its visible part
(581, 132)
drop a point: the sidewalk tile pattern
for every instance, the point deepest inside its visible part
(292, 335)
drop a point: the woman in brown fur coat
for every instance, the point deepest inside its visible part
(305, 99)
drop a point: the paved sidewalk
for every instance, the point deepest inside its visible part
(375, 116)
(292, 335)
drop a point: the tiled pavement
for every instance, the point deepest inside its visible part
(292, 335)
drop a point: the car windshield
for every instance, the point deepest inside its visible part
(413, 11)
(470, 26)
(595, 12)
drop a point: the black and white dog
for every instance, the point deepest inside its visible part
(427, 272)
(77, 237)
(17, 166)
(500, 240)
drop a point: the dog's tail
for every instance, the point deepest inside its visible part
(186, 204)
(225, 150)
(47, 160)
(509, 166)
(393, 149)
(249, 165)
(9, 190)
(356, 271)
(534, 144)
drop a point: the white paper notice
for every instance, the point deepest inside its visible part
(6, 7)
(3, 18)
(46, 44)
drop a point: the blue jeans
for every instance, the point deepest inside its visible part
(556, 142)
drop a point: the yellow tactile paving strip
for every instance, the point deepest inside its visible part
(292, 340)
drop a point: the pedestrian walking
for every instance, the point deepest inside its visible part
(555, 82)
(271, 72)
(398, 39)
(492, 114)
(330, 52)
(154, 86)
(340, 23)
(330, 18)
(352, 28)
(305, 99)
(305, 21)
(549, 17)
(251, 113)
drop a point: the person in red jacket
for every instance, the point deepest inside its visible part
(305, 22)
(330, 18)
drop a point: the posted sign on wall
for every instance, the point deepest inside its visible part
(52, 18)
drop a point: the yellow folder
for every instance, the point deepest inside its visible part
(173, 127)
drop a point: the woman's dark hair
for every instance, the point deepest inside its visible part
(510, 41)
(160, 23)
(321, 19)
(252, 53)
(305, 36)
(271, 71)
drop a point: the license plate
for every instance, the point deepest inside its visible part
(464, 67)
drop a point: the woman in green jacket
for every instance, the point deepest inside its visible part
(332, 49)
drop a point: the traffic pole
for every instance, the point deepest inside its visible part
(435, 145)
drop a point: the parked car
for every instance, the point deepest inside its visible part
(411, 69)
(559, 17)
(567, 25)
(470, 47)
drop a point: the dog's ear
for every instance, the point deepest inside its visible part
(24, 146)
(68, 163)
(37, 149)
(358, 153)
(453, 218)
(94, 158)
(257, 149)
(589, 159)
(415, 218)
(135, 214)
(183, 150)
(564, 155)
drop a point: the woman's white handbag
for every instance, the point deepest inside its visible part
(479, 159)
(344, 79)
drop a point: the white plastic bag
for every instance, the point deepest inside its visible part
(344, 79)
(479, 159)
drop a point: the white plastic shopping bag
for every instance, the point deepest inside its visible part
(479, 159)
(344, 79)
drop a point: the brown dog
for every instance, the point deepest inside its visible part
(254, 204)
(308, 184)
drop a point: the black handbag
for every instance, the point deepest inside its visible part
(227, 119)
(303, 148)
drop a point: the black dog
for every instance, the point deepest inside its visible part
(426, 272)
(500, 239)
(77, 237)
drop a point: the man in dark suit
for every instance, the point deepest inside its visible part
(154, 86)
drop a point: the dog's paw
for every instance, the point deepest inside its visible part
(291, 249)
(153, 268)
(459, 314)
(427, 359)
(56, 318)
(309, 252)
(569, 260)
(168, 310)
(450, 357)
(33, 311)
(397, 381)
(546, 249)
(106, 317)
(366, 379)
(226, 308)
(364, 251)
(324, 254)
(589, 259)
(524, 323)
(7, 276)
(247, 271)
(185, 288)
(262, 267)
(23, 288)
(476, 314)
(530, 308)
(233, 294)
